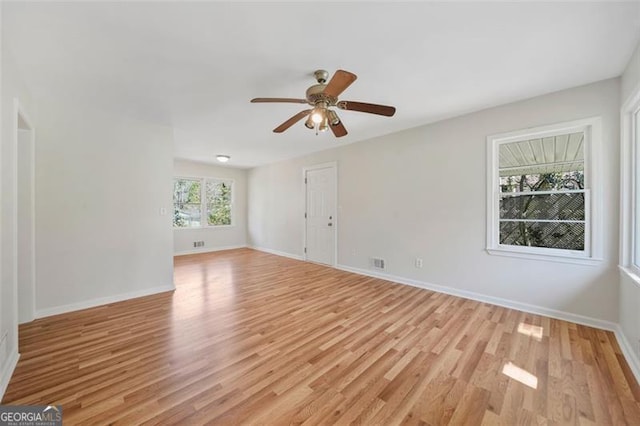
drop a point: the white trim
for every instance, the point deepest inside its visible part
(18, 113)
(200, 228)
(506, 303)
(208, 250)
(278, 253)
(628, 170)
(102, 301)
(631, 274)
(592, 254)
(8, 370)
(558, 258)
(628, 352)
(543, 220)
(532, 193)
(329, 165)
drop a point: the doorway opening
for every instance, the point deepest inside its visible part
(320, 243)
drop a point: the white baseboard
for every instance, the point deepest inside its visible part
(277, 253)
(525, 307)
(208, 250)
(7, 372)
(102, 301)
(628, 352)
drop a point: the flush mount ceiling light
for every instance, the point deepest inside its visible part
(223, 158)
(322, 97)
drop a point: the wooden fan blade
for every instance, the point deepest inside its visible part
(385, 110)
(338, 129)
(290, 122)
(287, 100)
(339, 82)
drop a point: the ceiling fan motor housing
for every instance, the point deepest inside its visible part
(315, 94)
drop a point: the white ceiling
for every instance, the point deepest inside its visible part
(195, 66)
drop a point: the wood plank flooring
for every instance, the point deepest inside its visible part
(252, 338)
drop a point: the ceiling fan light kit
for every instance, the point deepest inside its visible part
(322, 96)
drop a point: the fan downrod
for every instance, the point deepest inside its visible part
(321, 76)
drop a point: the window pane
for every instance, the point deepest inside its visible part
(535, 175)
(560, 206)
(218, 203)
(186, 203)
(554, 163)
(188, 216)
(569, 236)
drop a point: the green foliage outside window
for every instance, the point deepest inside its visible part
(188, 202)
(218, 203)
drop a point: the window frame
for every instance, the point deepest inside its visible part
(592, 252)
(204, 221)
(630, 187)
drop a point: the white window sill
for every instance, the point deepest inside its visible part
(196, 228)
(544, 257)
(631, 274)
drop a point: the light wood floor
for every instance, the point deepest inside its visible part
(249, 337)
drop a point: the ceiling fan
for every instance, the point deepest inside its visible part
(322, 97)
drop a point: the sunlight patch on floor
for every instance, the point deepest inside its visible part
(531, 330)
(523, 376)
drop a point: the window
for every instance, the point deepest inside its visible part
(218, 202)
(541, 197)
(630, 189)
(186, 203)
(194, 199)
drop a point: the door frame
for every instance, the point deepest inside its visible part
(329, 165)
(20, 115)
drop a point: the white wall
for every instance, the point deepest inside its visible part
(421, 193)
(215, 238)
(12, 88)
(629, 316)
(101, 181)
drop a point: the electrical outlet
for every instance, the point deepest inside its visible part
(418, 262)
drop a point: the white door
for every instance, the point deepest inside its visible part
(321, 215)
